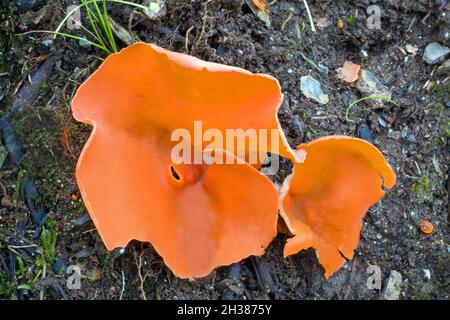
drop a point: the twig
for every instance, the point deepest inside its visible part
(23, 247)
(438, 121)
(186, 41)
(424, 20)
(123, 286)
(289, 17)
(204, 18)
(138, 262)
(311, 22)
(44, 274)
(413, 21)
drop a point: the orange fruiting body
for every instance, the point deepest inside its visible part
(324, 200)
(196, 216)
(201, 216)
(426, 227)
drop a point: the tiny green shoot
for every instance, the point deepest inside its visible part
(99, 21)
(351, 20)
(355, 102)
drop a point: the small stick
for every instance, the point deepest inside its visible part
(186, 41)
(285, 22)
(311, 22)
(123, 286)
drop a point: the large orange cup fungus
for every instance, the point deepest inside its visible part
(324, 200)
(197, 216)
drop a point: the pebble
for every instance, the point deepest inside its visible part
(59, 264)
(47, 42)
(411, 138)
(25, 5)
(411, 48)
(364, 133)
(83, 253)
(427, 273)
(364, 54)
(404, 132)
(382, 122)
(323, 23)
(394, 134)
(393, 286)
(84, 43)
(434, 53)
(82, 220)
(312, 89)
(322, 68)
(444, 68)
(369, 85)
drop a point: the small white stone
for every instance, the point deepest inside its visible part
(393, 286)
(427, 273)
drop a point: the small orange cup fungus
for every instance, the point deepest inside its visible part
(198, 216)
(426, 227)
(324, 200)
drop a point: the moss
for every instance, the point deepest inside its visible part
(422, 187)
(438, 108)
(17, 195)
(441, 91)
(423, 190)
(6, 288)
(44, 85)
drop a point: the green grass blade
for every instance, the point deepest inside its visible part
(108, 30)
(104, 24)
(75, 9)
(355, 102)
(92, 17)
(71, 36)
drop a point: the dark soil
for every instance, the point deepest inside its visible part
(228, 32)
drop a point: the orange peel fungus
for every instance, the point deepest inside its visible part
(326, 197)
(197, 216)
